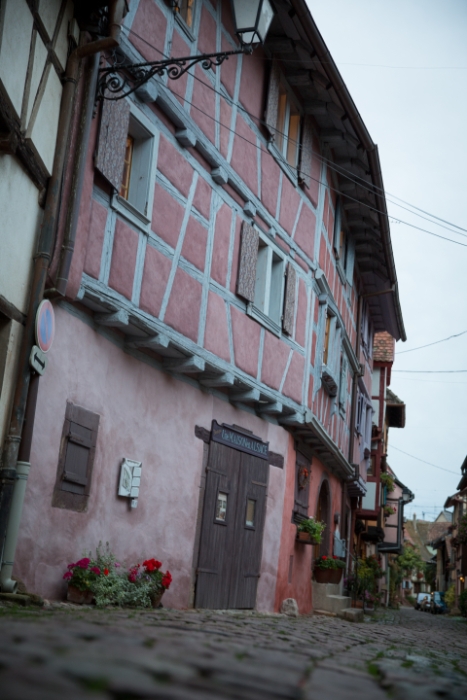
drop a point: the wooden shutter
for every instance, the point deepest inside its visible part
(79, 437)
(115, 122)
(301, 494)
(248, 258)
(272, 107)
(289, 300)
(306, 150)
(350, 259)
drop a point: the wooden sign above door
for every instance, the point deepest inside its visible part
(239, 441)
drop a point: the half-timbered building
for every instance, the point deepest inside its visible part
(210, 380)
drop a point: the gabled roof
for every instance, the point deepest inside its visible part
(395, 410)
(383, 347)
(295, 40)
(463, 482)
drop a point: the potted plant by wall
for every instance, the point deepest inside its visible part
(149, 576)
(388, 481)
(81, 577)
(388, 511)
(310, 531)
(328, 569)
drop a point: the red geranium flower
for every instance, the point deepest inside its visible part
(324, 557)
(106, 572)
(83, 563)
(166, 579)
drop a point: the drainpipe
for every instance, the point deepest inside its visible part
(68, 245)
(12, 488)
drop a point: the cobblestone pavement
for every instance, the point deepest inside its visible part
(76, 653)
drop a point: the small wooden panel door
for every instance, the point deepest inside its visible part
(232, 529)
(248, 540)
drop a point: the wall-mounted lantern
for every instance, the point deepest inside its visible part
(252, 21)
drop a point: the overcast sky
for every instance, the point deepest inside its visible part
(410, 88)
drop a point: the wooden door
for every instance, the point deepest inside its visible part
(232, 529)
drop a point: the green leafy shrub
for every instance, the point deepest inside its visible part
(388, 481)
(332, 562)
(314, 528)
(450, 596)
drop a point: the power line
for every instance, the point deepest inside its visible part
(431, 381)
(443, 340)
(342, 171)
(424, 461)
(430, 371)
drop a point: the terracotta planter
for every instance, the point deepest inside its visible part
(357, 603)
(75, 595)
(156, 599)
(306, 538)
(328, 575)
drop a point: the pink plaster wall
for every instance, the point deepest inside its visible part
(194, 243)
(184, 305)
(155, 275)
(246, 336)
(144, 415)
(167, 216)
(220, 252)
(149, 24)
(275, 356)
(174, 166)
(216, 337)
(123, 262)
(92, 263)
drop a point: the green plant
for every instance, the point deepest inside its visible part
(450, 596)
(332, 562)
(112, 584)
(410, 559)
(388, 481)
(314, 528)
(388, 511)
(463, 603)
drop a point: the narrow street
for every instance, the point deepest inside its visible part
(194, 655)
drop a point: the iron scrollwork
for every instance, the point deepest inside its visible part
(121, 78)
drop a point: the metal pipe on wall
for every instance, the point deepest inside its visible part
(11, 491)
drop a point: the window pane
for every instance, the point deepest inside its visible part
(281, 141)
(221, 507)
(293, 136)
(326, 340)
(125, 186)
(275, 295)
(262, 282)
(186, 11)
(250, 513)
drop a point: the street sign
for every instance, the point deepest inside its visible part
(38, 360)
(45, 325)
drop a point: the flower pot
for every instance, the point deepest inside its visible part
(328, 575)
(357, 603)
(75, 595)
(156, 598)
(306, 538)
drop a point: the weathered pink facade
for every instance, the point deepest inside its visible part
(156, 339)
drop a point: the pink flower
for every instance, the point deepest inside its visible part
(96, 570)
(117, 564)
(67, 575)
(71, 566)
(83, 563)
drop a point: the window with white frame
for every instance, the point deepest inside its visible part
(331, 358)
(344, 247)
(288, 127)
(266, 281)
(366, 331)
(184, 9)
(124, 157)
(134, 186)
(283, 122)
(269, 284)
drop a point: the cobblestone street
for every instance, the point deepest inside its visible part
(194, 655)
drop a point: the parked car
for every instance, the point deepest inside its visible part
(423, 602)
(438, 606)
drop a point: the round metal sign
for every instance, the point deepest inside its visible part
(45, 325)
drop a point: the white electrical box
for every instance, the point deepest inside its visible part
(130, 480)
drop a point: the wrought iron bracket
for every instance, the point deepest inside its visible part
(121, 78)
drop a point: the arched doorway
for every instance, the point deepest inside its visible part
(323, 513)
